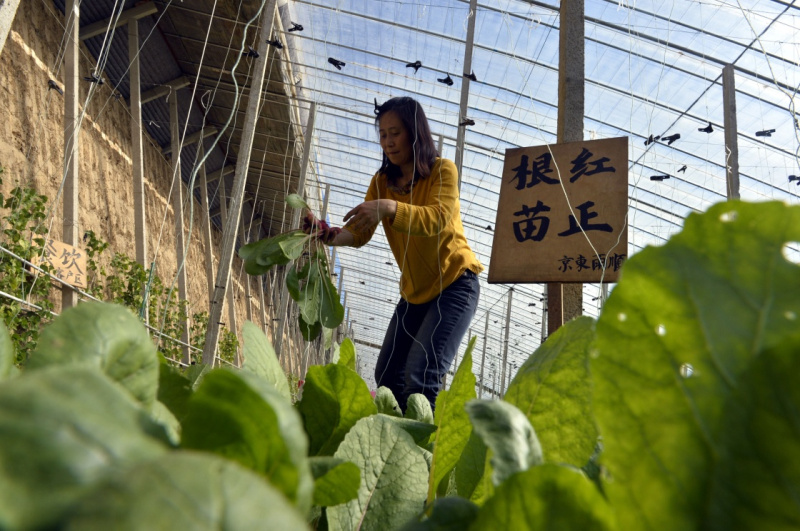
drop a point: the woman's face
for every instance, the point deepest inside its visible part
(395, 140)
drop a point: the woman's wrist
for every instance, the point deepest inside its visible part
(389, 209)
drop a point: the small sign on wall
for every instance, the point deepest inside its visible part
(562, 211)
(68, 262)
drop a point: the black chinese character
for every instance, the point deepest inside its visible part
(580, 162)
(581, 262)
(585, 225)
(527, 229)
(598, 262)
(565, 263)
(69, 259)
(541, 167)
(616, 261)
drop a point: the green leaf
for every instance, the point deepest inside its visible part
(470, 468)
(310, 294)
(331, 309)
(418, 408)
(718, 295)
(347, 354)
(449, 514)
(260, 359)
(334, 399)
(185, 490)
(295, 201)
(106, 336)
(174, 389)
(293, 284)
(62, 429)
(420, 431)
(387, 403)
(336, 481)
(310, 332)
(393, 477)
(546, 497)
(196, 373)
(262, 255)
(293, 247)
(508, 433)
(452, 422)
(553, 389)
(242, 417)
(7, 355)
(755, 480)
(163, 416)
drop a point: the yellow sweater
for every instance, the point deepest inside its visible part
(426, 237)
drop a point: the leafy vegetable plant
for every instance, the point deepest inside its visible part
(308, 280)
(674, 411)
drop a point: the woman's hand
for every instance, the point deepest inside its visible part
(368, 214)
(320, 228)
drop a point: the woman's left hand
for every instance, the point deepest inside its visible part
(368, 214)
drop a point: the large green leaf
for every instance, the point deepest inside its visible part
(293, 283)
(387, 403)
(196, 373)
(7, 355)
(331, 309)
(553, 389)
(106, 336)
(334, 399)
(310, 332)
(757, 476)
(335, 480)
(310, 297)
(161, 414)
(260, 256)
(393, 477)
(452, 422)
(260, 359)
(718, 294)
(471, 467)
(184, 490)
(508, 433)
(546, 497)
(419, 431)
(240, 416)
(449, 514)
(174, 389)
(347, 354)
(418, 408)
(62, 429)
(294, 246)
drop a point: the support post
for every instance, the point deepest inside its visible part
(8, 11)
(731, 132)
(301, 185)
(206, 224)
(464, 104)
(483, 355)
(177, 207)
(242, 164)
(140, 226)
(229, 292)
(69, 298)
(339, 330)
(505, 341)
(564, 300)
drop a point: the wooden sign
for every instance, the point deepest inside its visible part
(561, 216)
(69, 263)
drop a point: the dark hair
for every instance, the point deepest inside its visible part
(419, 132)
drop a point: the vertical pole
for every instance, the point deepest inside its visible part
(229, 291)
(177, 207)
(731, 132)
(261, 301)
(494, 381)
(564, 300)
(440, 146)
(463, 106)
(545, 312)
(242, 164)
(69, 298)
(339, 330)
(505, 341)
(246, 278)
(483, 355)
(8, 9)
(206, 224)
(301, 186)
(136, 145)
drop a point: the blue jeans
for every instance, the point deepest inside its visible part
(423, 339)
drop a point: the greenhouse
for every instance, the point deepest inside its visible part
(188, 291)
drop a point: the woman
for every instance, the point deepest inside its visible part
(415, 195)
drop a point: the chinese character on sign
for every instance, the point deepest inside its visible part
(580, 162)
(565, 263)
(69, 258)
(527, 229)
(574, 228)
(68, 263)
(538, 174)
